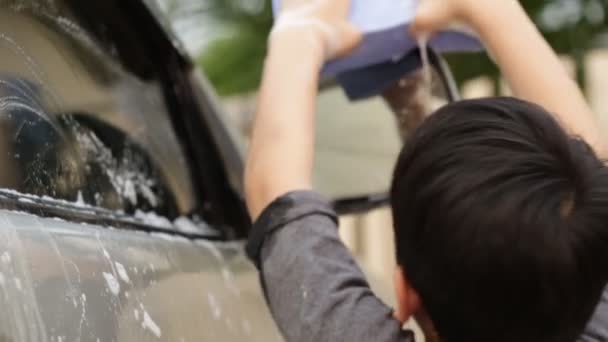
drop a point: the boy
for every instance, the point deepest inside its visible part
(499, 212)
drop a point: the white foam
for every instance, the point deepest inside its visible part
(303, 16)
(18, 284)
(80, 199)
(122, 272)
(216, 311)
(113, 284)
(186, 225)
(5, 257)
(426, 66)
(149, 324)
(153, 219)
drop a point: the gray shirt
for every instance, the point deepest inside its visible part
(316, 291)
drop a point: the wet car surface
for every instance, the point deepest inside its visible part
(120, 213)
(61, 281)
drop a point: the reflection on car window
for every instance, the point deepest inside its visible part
(75, 125)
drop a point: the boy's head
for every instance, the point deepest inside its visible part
(501, 223)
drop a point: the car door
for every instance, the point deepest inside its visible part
(118, 221)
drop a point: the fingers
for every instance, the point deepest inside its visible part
(326, 18)
(351, 37)
(431, 16)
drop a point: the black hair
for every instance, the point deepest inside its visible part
(501, 223)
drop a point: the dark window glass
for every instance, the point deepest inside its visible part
(76, 125)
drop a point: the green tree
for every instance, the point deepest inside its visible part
(234, 39)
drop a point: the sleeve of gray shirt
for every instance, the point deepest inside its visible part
(314, 288)
(597, 329)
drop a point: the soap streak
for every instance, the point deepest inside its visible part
(426, 69)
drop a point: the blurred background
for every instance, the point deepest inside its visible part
(358, 142)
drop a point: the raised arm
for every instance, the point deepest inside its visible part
(531, 67)
(281, 153)
(314, 288)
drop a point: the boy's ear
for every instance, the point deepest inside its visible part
(408, 301)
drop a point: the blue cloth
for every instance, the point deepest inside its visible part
(381, 56)
(372, 80)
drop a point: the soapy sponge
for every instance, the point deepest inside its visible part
(387, 45)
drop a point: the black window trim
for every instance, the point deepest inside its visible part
(11, 200)
(194, 117)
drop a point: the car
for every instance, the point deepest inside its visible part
(121, 209)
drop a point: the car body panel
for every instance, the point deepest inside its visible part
(61, 281)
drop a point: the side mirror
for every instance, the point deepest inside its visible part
(359, 142)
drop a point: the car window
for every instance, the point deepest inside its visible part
(76, 124)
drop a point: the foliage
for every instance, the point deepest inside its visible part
(233, 61)
(235, 70)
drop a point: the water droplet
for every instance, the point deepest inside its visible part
(113, 284)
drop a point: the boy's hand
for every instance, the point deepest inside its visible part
(537, 76)
(436, 15)
(281, 153)
(325, 21)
